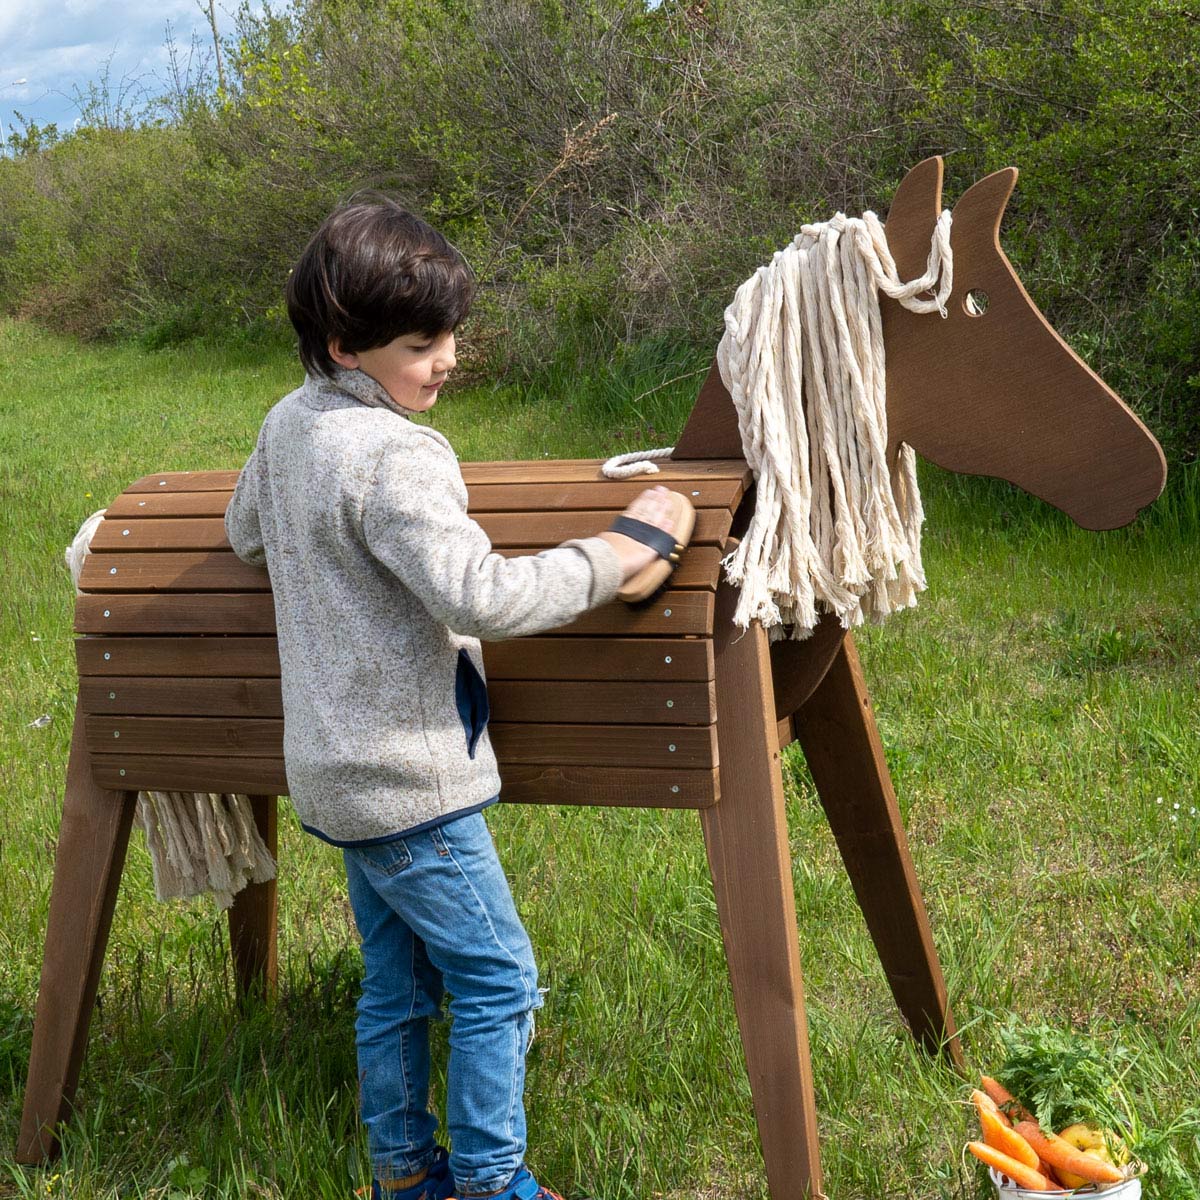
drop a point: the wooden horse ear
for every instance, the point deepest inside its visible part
(982, 205)
(913, 214)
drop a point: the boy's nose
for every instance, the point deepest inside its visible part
(445, 360)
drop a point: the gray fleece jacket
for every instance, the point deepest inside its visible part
(382, 586)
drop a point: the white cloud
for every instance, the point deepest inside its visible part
(58, 46)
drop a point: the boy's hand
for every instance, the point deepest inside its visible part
(654, 507)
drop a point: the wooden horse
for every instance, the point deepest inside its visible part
(666, 705)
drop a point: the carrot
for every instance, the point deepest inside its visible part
(1000, 1135)
(982, 1100)
(1061, 1155)
(1018, 1172)
(1004, 1099)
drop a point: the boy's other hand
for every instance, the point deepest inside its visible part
(653, 507)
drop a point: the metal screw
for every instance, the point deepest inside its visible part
(670, 703)
(122, 770)
(107, 656)
(667, 659)
(162, 483)
(671, 747)
(112, 570)
(694, 494)
(674, 787)
(141, 504)
(112, 695)
(666, 612)
(124, 532)
(116, 733)
(106, 612)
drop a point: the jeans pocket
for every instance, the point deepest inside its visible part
(470, 694)
(388, 858)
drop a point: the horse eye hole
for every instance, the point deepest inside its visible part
(975, 302)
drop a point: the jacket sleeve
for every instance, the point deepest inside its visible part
(415, 522)
(242, 526)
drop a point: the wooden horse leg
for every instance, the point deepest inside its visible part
(92, 841)
(837, 731)
(252, 917)
(745, 833)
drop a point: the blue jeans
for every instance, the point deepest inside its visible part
(434, 909)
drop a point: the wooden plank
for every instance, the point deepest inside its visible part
(661, 747)
(251, 657)
(600, 658)
(186, 612)
(709, 492)
(254, 776)
(92, 840)
(203, 571)
(187, 697)
(680, 703)
(565, 470)
(582, 470)
(186, 481)
(162, 533)
(223, 571)
(235, 737)
(604, 786)
(608, 787)
(168, 504)
(749, 856)
(837, 730)
(671, 613)
(618, 659)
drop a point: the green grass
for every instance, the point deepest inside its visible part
(1034, 708)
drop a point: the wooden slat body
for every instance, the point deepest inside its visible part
(179, 668)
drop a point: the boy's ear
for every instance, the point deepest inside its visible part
(340, 356)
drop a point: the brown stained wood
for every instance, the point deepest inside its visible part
(584, 470)
(527, 784)
(785, 733)
(253, 931)
(692, 703)
(672, 613)
(223, 571)
(541, 529)
(251, 657)
(746, 836)
(185, 481)
(147, 505)
(210, 571)
(836, 729)
(92, 841)
(583, 658)
(130, 696)
(685, 747)
(661, 747)
(711, 430)
(608, 787)
(599, 658)
(797, 667)
(512, 700)
(1001, 393)
(246, 613)
(152, 772)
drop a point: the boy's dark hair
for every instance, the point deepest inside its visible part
(371, 273)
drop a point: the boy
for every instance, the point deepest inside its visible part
(382, 585)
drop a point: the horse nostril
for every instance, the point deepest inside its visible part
(975, 302)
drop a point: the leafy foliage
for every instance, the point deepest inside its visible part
(613, 170)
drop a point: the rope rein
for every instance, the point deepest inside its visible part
(802, 356)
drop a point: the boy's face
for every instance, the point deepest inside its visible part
(410, 369)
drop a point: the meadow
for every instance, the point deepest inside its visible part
(1038, 710)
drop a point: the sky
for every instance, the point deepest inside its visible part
(58, 46)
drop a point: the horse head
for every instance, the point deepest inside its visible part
(993, 389)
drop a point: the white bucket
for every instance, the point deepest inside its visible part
(1006, 1189)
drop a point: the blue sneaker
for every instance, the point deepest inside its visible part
(523, 1186)
(437, 1185)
